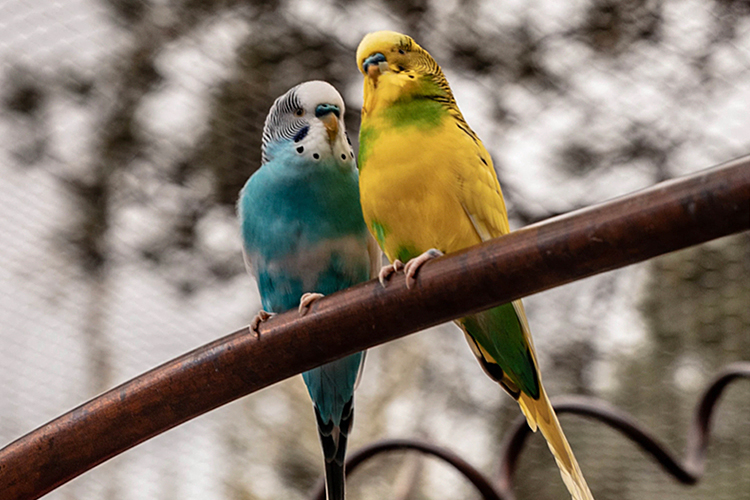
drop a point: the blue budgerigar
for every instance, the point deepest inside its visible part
(304, 236)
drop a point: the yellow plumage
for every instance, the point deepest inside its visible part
(426, 181)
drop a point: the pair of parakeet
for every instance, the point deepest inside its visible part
(426, 187)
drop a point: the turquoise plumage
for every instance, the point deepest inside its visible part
(304, 235)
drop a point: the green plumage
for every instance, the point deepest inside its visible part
(500, 333)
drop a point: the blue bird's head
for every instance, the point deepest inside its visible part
(307, 123)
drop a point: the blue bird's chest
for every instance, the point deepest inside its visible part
(303, 235)
(324, 268)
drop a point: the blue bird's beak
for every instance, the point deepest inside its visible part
(329, 115)
(375, 65)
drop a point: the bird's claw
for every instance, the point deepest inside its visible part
(387, 271)
(258, 319)
(306, 301)
(412, 267)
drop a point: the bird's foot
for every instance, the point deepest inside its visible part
(412, 267)
(387, 271)
(306, 301)
(258, 319)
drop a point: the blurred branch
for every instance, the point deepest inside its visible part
(688, 472)
(666, 217)
(476, 478)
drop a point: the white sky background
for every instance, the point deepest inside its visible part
(42, 360)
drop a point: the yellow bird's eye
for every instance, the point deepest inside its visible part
(401, 51)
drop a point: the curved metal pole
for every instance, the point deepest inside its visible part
(666, 217)
(687, 471)
(476, 478)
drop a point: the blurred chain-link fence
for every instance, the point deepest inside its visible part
(127, 128)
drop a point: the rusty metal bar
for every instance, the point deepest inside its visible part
(666, 217)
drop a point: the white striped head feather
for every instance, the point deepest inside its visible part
(309, 118)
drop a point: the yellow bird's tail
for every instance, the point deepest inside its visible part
(539, 413)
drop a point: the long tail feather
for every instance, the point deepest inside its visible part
(540, 414)
(335, 484)
(333, 439)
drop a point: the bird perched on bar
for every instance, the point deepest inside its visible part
(427, 188)
(304, 236)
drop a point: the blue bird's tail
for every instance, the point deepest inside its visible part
(333, 439)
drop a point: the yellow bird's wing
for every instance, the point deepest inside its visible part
(480, 194)
(482, 200)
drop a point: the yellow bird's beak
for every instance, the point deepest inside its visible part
(375, 65)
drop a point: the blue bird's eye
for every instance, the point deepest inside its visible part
(324, 109)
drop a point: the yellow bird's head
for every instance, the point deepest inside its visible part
(383, 51)
(395, 65)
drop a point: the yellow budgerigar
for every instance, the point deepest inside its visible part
(428, 187)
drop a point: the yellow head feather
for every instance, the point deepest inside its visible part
(405, 70)
(398, 49)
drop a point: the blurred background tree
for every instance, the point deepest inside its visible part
(129, 126)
